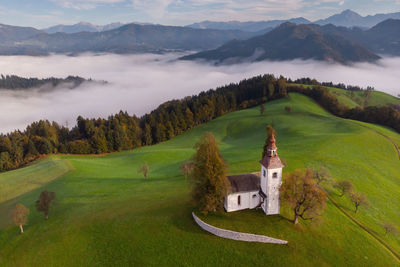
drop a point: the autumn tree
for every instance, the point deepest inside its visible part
(301, 193)
(208, 178)
(358, 200)
(20, 216)
(390, 228)
(321, 175)
(44, 202)
(288, 109)
(187, 168)
(345, 187)
(262, 109)
(144, 169)
(270, 132)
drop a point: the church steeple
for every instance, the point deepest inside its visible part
(271, 148)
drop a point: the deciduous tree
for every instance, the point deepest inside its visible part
(345, 187)
(208, 178)
(301, 193)
(20, 216)
(144, 169)
(321, 175)
(390, 228)
(187, 168)
(44, 202)
(358, 200)
(262, 109)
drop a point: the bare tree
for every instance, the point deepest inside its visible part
(262, 109)
(345, 186)
(358, 200)
(321, 175)
(144, 169)
(20, 216)
(187, 168)
(390, 228)
(44, 202)
(301, 193)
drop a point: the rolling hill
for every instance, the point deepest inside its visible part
(107, 214)
(287, 42)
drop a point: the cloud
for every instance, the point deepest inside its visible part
(139, 83)
(84, 4)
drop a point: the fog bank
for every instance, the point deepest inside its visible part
(139, 83)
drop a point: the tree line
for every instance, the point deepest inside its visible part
(309, 81)
(16, 82)
(123, 131)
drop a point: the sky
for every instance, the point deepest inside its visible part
(139, 83)
(45, 13)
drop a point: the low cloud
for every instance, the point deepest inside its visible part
(139, 83)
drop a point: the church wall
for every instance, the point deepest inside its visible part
(248, 200)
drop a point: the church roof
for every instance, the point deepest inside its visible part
(244, 182)
(272, 162)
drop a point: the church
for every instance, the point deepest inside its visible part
(249, 191)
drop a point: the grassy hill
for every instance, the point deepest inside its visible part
(354, 99)
(109, 215)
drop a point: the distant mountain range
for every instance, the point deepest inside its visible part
(130, 38)
(347, 18)
(250, 26)
(82, 27)
(252, 41)
(290, 41)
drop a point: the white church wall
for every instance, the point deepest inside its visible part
(248, 200)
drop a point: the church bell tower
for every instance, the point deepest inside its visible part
(271, 179)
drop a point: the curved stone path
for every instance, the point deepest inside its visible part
(237, 235)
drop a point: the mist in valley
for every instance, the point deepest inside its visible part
(139, 83)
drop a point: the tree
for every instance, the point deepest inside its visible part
(262, 109)
(270, 132)
(358, 200)
(288, 109)
(44, 202)
(20, 216)
(321, 175)
(345, 186)
(302, 194)
(208, 178)
(144, 169)
(390, 228)
(187, 168)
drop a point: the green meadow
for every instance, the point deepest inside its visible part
(107, 214)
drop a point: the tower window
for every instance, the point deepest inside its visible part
(254, 195)
(239, 200)
(275, 175)
(264, 173)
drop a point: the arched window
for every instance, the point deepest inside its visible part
(239, 200)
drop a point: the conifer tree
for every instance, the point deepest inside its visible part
(209, 181)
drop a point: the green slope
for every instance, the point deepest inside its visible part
(354, 99)
(108, 215)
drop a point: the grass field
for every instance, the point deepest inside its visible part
(108, 215)
(354, 99)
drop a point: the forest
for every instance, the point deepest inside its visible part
(123, 131)
(16, 82)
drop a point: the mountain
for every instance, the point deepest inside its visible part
(349, 18)
(384, 38)
(250, 26)
(130, 38)
(287, 42)
(82, 27)
(10, 34)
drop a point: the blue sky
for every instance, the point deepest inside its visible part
(44, 13)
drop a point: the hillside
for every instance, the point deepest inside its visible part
(107, 214)
(354, 99)
(287, 42)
